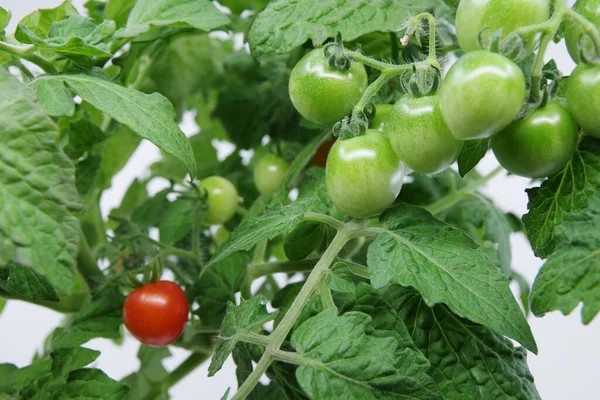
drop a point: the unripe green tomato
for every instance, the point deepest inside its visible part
(539, 145)
(474, 15)
(322, 94)
(590, 10)
(382, 112)
(269, 173)
(364, 175)
(221, 235)
(419, 135)
(583, 97)
(481, 94)
(222, 199)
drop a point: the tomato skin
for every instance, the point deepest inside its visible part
(320, 157)
(222, 199)
(539, 145)
(364, 175)
(590, 10)
(583, 97)
(419, 135)
(156, 313)
(382, 113)
(322, 94)
(481, 94)
(474, 15)
(269, 173)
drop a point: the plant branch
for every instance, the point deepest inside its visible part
(27, 53)
(87, 264)
(326, 219)
(187, 366)
(325, 295)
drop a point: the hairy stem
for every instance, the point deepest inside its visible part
(285, 326)
(26, 53)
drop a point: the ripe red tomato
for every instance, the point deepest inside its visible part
(320, 157)
(156, 313)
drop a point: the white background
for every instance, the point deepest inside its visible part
(566, 367)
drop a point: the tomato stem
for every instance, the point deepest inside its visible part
(26, 53)
(325, 295)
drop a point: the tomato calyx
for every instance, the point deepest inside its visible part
(422, 81)
(336, 57)
(351, 127)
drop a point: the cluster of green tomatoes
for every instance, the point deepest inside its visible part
(480, 97)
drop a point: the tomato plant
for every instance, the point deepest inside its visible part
(473, 16)
(583, 97)
(221, 199)
(156, 313)
(269, 173)
(364, 175)
(323, 94)
(419, 135)
(469, 98)
(539, 145)
(396, 254)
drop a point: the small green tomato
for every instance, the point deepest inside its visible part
(222, 199)
(269, 173)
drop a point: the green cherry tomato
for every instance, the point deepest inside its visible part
(382, 112)
(539, 145)
(590, 10)
(322, 94)
(481, 94)
(474, 15)
(419, 135)
(222, 199)
(583, 97)
(269, 173)
(364, 175)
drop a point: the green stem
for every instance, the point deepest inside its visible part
(588, 27)
(187, 366)
(290, 357)
(26, 53)
(168, 250)
(306, 265)
(326, 219)
(325, 294)
(454, 197)
(87, 265)
(285, 326)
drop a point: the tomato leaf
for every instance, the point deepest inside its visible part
(275, 221)
(287, 24)
(4, 20)
(486, 364)
(40, 21)
(27, 283)
(118, 11)
(218, 286)
(561, 196)
(38, 228)
(341, 359)
(238, 320)
(99, 317)
(472, 152)
(147, 381)
(150, 116)
(446, 267)
(156, 14)
(572, 273)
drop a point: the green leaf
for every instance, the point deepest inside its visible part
(303, 240)
(472, 152)
(561, 196)
(89, 383)
(40, 21)
(4, 20)
(237, 6)
(2, 305)
(194, 14)
(54, 98)
(176, 221)
(38, 228)
(75, 37)
(16, 380)
(217, 287)
(100, 317)
(150, 116)
(287, 24)
(342, 361)
(26, 282)
(118, 11)
(135, 194)
(484, 222)
(275, 221)
(468, 361)
(120, 146)
(446, 267)
(340, 278)
(572, 273)
(67, 360)
(238, 321)
(147, 381)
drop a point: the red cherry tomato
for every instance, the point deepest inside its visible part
(156, 313)
(320, 157)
